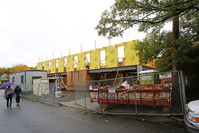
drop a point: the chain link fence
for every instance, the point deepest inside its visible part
(149, 93)
(47, 93)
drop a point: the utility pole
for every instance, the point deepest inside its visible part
(176, 90)
(175, 37)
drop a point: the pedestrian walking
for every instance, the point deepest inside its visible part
(8, 95)
(17, 94)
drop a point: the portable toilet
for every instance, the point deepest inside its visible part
(149, 77)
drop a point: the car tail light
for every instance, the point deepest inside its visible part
(197, 119)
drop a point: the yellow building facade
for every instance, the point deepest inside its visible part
(131, 58)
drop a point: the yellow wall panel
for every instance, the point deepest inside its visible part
(111, 56)
(70, 63)
(39, 66)
(95, 59)
(46, 65)
(53, 66)
(81, 61)
(111, 59)
(130, 54)
(61, 65)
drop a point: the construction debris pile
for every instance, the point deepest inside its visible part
(152, 94)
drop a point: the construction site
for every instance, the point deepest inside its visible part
(97, 64)
(111, 79)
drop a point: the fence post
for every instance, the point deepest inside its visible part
(84, 93)
(99, 96)
(183, 92)
(59, 98)
(45, 93)
(37, 92)
(180, 89)
(52, 92)
(75, 92)
(136, 110)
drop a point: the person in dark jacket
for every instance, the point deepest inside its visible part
(128, 79)
(8, 95)
(17, 93)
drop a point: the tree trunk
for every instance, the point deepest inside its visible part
(176, 99)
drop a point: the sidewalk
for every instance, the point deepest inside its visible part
(71, 104)
(93, 108)
(148, 118)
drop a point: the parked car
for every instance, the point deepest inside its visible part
(191, 118)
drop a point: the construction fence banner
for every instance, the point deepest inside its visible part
(147, 94)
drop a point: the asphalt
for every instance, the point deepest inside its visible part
(36, 117)
(69, 101)
(167, 120)
(152, 118)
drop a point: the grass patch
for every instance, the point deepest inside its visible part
(31, 96)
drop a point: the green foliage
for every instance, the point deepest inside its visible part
(153, 45)
(157, 45)
(190, 62)
(160, 46)
(146, 14)
(151, 15)
(4, 71)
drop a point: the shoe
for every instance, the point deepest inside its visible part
(17, 104)
(10, 107)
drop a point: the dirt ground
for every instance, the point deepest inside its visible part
(67, 96)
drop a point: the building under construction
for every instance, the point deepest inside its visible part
(98, 64)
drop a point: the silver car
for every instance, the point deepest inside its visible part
(191, 118)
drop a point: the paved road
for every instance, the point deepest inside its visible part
(35, 117)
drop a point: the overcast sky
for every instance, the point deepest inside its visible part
(33, 30)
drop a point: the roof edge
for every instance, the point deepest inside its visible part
(29, 70)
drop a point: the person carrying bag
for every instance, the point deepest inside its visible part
(8, 94)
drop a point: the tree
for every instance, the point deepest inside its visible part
(151, 15)
(4, 71)
(18, 68)
(146, 14)
(187, 55)
(161, 43)
(155, 46)
(15, 68)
